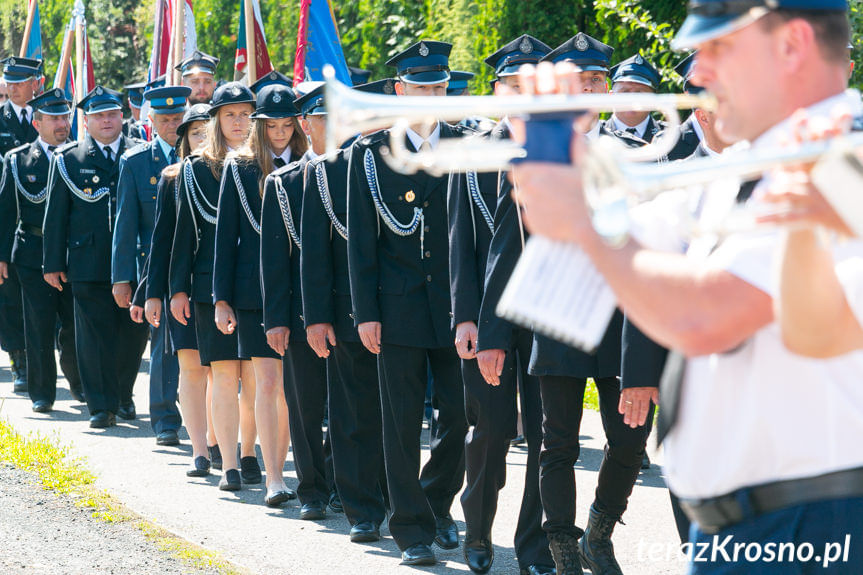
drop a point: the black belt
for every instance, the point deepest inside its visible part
(715, 514)
(33, 230)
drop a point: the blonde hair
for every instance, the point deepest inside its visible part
(257, 148)
(184, 149)
(216, 147)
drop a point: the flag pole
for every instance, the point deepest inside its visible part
(179, 24)
(68, 41)
(251, 44)
(31, 14)
(79, 70)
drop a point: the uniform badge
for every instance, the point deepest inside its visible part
(11, 61)
(277, 98)
(581, 43)
(235, 90)
(99, 91)
(31, 178)
(389, 88)
(58, 93)
(153, 180)
(170, 101)
(410, 196)
(273, 75)
(95, 179)
(424, 50)
(88, 191)
(526, 46)
(639, 60)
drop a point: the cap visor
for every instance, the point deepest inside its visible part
(635, 80)
(272, 115)
(589, 67)
(199, 70)
(426, 78)
(103, 108)
(166, 111)
(699, 29)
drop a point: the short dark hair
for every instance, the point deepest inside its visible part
(832, 29)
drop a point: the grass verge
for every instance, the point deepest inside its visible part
(49, 460)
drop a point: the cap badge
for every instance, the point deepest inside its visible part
(99, 90)
(153, 180)
(277, 98)
(410, 196)
(424, 50)
(235, 90)
(95, 179)
(58, 93)
(388, 87)
(11, 61)
(639, 60)
(273, 75)
(526, 46)
(581, 43)
(170, 101)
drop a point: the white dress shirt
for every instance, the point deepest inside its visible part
(417, 140)
(18, 109)
(640, 129)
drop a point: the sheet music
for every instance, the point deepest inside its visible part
(555, 290)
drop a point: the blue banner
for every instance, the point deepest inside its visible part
(323, 45)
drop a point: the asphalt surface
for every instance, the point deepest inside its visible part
(151, 481)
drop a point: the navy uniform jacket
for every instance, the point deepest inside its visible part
(688, 141)
(471, 223)
(12, 133)
(133, 129)
(159, 258)
(237, 262)
(193, 253)
(324, 258)
(22, 205)
(280, 254)
(400, 281)
(140, 169)
(76, 232)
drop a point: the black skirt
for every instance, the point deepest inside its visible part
(213, 345)
(182, 336)
(253, 338)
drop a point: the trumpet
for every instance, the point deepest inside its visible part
(350, 112)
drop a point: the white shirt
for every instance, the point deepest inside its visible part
(418, 140)
(18, 109)
(285, 155)
(44, 145)
(115, 146)
(165, 147)
(639, 129)
(759, 413)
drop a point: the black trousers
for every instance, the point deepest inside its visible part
(109, 346)
(355, 431)
(492, 418)
(305, 376)
(11, 313)
(562, 405)
(44, 308)
(416, 499)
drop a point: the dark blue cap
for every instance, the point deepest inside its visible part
(231, 93)
(523, 50)
(275, 101)
(458, 82)
(425, 62)
(636, 69)
(155, 83)
(52, 103)
(684, 70)
(101, 99)
(709, 19)
(135, 93)
(387, 87)
(17, 70)
(273, 77)
(312, 104)
(587, 53)
(198, 62)
(168, 100)
(359, 76)
(196, 113)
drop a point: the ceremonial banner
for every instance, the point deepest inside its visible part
(31, 46)
(181, 37)
(254, 50)
(318, 44)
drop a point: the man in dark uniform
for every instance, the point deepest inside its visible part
(635, 75)
(399, 268)
(79, 220)
(135, 97)
(22, 77)
(199, 74)
(352, 375)
(22, 209)
(140, 170)
(690, 132)
(492, 408)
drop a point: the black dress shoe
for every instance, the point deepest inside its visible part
(645, 461)
(335, 503)
(18, 359)
(446, 533)
(518, 440)
(167, 437)
(127, 411)
(538, 570)
(313, 511)
(102, 419)
(419, 554)
(215, 456)
(231, 481)
(478, 554)
(365, 532)
(42, 406)
(77, 394)
(200, 467)
(276, 498)
(250, 470)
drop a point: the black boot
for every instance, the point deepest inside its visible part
(478, 552)
(19, 370)
(595, 548)
(564, 551)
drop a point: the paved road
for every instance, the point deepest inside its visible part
(151, 481)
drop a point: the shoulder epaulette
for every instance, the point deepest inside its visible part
(139, 148)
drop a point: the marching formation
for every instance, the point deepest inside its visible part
(318, 302)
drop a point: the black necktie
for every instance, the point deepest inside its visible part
(109, 153)
(51, 149)
(172, 158)
(278, 162)
(633, 131)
